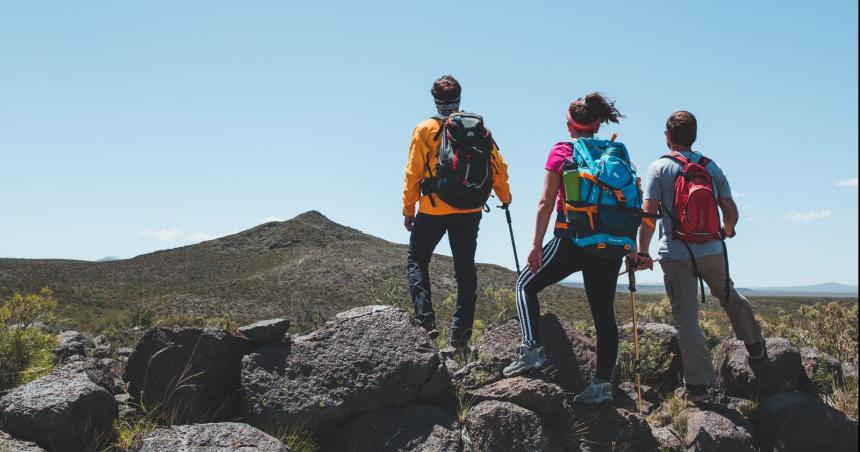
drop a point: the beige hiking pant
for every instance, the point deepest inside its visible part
(683, 289)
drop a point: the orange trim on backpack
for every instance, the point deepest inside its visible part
(601, 245)
(561, 225)
(588, 210)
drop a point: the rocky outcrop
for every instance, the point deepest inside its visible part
(718, 428)
(658, 346)
(823, 370)
(64, 411)
(69, 343)
(9, 444)
(571, 353)
(738, 377)
(224, 436)
(191, 372)
(366, 359)
(265, 331)
(495, 425)
(797, 421)
(537, 394)
(414, 428)
(583, 427)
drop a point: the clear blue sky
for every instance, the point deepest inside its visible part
(127, 127)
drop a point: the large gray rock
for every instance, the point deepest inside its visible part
(718, 429)
(535, 393)
(64, 411)
(660, 355)
(797, 421)
(823, 370)
(415, 428)
(217, 437)
(782, 371)
(69, 343)
(191, 372)
(266, 331)
(364, 360)
(571, 353)
(9, 444)
(596, 428)
(503, 426)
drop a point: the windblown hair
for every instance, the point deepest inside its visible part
(682, 128)
(594, 107)
(446, 88)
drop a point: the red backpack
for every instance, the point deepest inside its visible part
(695, 214)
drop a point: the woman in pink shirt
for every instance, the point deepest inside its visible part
(560, 258)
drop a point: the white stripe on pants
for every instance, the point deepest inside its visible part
(548, 253)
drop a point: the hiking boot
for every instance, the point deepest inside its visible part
(463, 354)
(597, 393)
(528, 359)
(431, 330)
(757, 351)
(694, 393)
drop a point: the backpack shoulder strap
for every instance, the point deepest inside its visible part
(441, 120)
(676, 156)
(581, 149)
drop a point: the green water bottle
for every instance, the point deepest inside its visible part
(571, 178)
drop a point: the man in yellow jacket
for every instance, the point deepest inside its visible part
(436, 217)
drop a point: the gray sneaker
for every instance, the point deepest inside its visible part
(527, 359)
(595, 394)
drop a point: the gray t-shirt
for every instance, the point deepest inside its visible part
(660, 185)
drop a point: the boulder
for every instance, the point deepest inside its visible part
(494, 425)
(823, 370)
(439, 389)
(366, 359)
(797, 421)
(62, 411)
(718, 428)
(9, 444)
(738, 377)
(667, 439)
(660, 355)
(584, 427)
(535, 393)
(627, 396)
(266, 331)
(223, 436)
(411, 428)
(69, 343)
(570, 352)
(191, 372)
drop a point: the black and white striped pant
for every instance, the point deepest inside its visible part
(561, 258)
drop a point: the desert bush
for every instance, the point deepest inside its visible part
(387, 291)
(649, 351)
(829, 327)
(25, 349)
(503, 302)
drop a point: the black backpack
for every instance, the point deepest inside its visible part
(464, 164)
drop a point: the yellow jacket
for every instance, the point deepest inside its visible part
(423, 150)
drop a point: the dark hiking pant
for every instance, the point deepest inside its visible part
(561, 258)
(427, 231)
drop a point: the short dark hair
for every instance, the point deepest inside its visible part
(681, 127)
(446, 88)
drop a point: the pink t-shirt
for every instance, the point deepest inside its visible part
(555, 162)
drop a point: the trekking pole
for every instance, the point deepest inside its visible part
(511, 230)
(631, 278)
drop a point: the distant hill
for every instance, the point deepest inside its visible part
(108, 259)
(307, 268)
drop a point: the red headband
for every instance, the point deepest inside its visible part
(591, 127)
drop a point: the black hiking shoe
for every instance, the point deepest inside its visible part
(431, 330)
(694, 393)
(757, 351)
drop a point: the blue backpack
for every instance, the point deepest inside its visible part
(604, 214)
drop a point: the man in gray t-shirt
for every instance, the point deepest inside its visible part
(679, 268)
(660, 185)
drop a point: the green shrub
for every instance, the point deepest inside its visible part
(649, 352)
(25, 349)
(829, 327)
